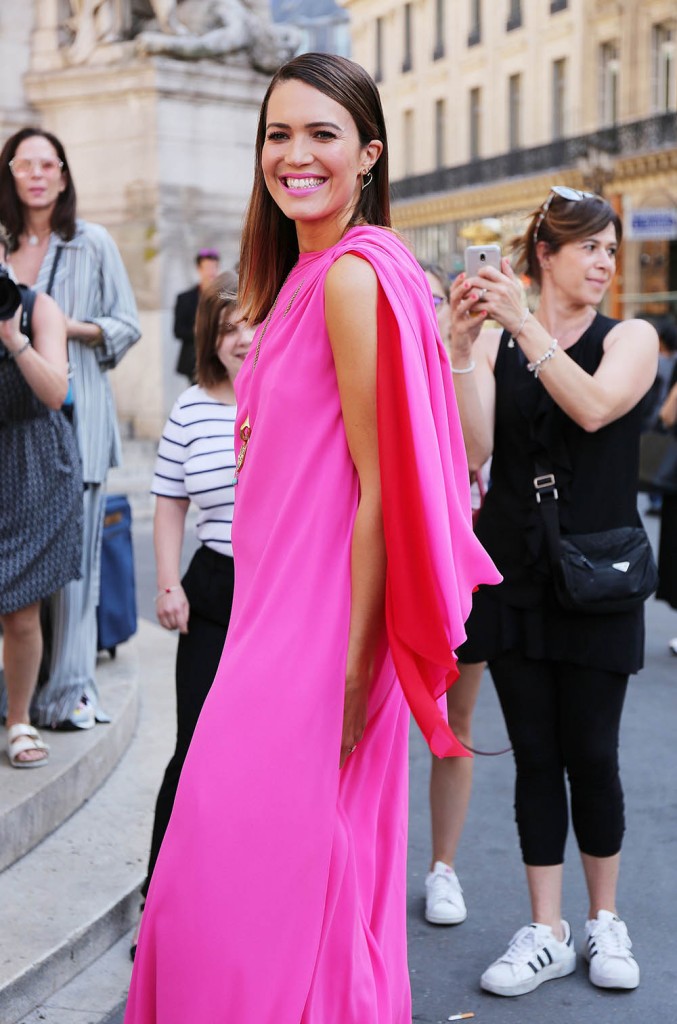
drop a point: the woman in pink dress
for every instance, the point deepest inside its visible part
(279, 893)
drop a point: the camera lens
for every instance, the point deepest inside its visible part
(483, 257)
(10, 296)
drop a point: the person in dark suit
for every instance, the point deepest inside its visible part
(207, 263)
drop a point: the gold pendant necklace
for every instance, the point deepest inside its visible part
(246, 428)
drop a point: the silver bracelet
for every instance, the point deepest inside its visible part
(466, 369)
(517, 333)
(26, 344)
(537, 365)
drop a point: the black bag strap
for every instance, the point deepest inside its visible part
(547, 497)
(52, 273)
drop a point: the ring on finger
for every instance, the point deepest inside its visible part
(483, 293)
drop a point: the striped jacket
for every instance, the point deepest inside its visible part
(91, 285)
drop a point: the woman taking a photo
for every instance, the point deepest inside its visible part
(279, 892)
(41, 506)
(558, 393)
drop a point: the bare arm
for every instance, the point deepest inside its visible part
(352, 328)
(624, 375)
(475, 390)
(88, 333)
(168, 528)
(44, 365)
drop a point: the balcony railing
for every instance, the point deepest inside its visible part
(620, 140)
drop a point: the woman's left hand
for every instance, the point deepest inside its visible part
(10, 333)
(501, 295)
(354, 716)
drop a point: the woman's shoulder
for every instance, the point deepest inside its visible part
(390, 258)
(195, 403)
(91, 235)
(376, 240)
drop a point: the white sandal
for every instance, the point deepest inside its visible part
(21, 738)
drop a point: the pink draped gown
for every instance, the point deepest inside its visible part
(279, 893)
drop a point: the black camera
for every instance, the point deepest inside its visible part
(10, 296)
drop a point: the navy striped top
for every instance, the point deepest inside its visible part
(196, 460)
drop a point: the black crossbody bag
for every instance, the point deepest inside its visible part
(598, 573)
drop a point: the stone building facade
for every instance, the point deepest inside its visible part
(489, 102)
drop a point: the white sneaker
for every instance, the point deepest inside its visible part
(533, 956)
(444, 903)
(607, 948)
(672, 645)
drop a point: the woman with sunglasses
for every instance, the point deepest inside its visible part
(556, 391)
(79, 265)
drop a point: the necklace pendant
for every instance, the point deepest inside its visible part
(33, 240)
(245, 434)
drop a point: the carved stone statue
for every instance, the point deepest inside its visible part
(220, 28)
(186, 29)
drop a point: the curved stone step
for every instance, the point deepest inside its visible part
(76, 893)
(34, 802)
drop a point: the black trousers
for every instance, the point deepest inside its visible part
(208, 584)
(563, 718)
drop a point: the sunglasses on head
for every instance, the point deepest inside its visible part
(574, 195)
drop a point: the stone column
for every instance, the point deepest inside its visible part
(162, 154)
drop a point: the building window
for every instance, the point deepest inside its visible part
(664, 43)
(608, 83)
(407, 59)
(558, 97)
(514, 15)
(514, 112)
(475, 122)
(440, 139)
(475, 34)
(378, 56)
(558, 5)
(439, 29)
(408, 142)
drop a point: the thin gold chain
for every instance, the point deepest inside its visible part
(246, 428)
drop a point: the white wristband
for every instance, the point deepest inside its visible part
(466, 369)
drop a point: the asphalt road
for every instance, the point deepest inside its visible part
(446, 963)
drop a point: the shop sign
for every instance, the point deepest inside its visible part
(653, 223)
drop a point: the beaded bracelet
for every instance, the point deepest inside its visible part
(166, 590)
(537, 365)
(466, 369)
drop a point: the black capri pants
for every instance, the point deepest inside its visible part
(208, 584)
(563, 718)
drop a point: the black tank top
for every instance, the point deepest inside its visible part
(596, 473)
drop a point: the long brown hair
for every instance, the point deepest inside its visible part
(11, 210)
(566, 220)
(219, 295)
(269, 246)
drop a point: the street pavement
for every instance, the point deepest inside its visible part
(446, 963)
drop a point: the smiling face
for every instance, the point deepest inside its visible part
(40, 188)
(313, 161)
(582, 269)
(234, 341)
